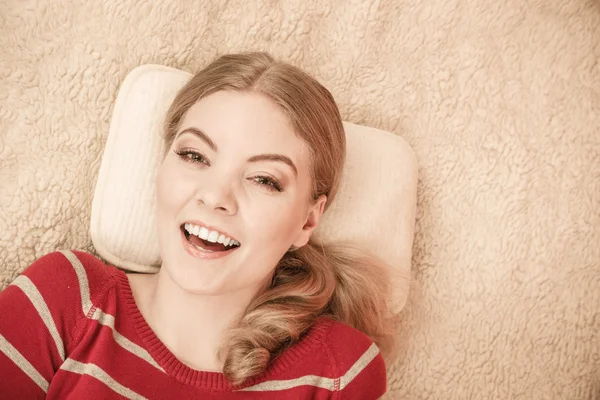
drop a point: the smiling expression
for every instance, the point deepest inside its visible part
(235, 166)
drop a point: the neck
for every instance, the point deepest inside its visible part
(190, 325)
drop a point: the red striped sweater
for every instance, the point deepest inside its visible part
(70, 328)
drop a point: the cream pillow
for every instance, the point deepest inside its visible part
(375, 204)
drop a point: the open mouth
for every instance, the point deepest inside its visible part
(210, 244)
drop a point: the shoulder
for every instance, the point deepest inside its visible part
(66, 271)
(349, 345)
(333, 361)
(58, 292)
(357, 358)
(67, 264)
(339, 331)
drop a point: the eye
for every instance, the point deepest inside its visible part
(268, 182)
(188, 155)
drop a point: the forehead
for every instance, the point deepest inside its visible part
(247, 121)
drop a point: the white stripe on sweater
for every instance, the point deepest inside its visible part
(13, 354)
(104, 318)
(98, 373)
(33, 294)
(320, 381)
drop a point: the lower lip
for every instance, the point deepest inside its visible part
(205, 255)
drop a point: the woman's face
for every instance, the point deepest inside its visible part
(237, 168)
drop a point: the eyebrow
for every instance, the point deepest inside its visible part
(261, 157)
(198, 133)
(275, 157)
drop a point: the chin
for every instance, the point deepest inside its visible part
(196, 280)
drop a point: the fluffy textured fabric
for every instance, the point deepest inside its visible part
(499, 100)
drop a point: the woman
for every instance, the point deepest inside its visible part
(246, 304)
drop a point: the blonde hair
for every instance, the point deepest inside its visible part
(339, 281)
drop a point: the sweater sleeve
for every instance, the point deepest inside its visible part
(41, 316)
(359, 363)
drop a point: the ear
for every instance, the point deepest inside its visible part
(312, 221)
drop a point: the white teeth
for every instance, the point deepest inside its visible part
(211, 236)
(203, 233)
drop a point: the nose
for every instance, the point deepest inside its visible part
(217, 194)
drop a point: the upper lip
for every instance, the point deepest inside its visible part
(210, 228)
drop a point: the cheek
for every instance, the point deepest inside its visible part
(276, 223)
(171, 190)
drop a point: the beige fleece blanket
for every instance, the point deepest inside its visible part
(499, 99)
